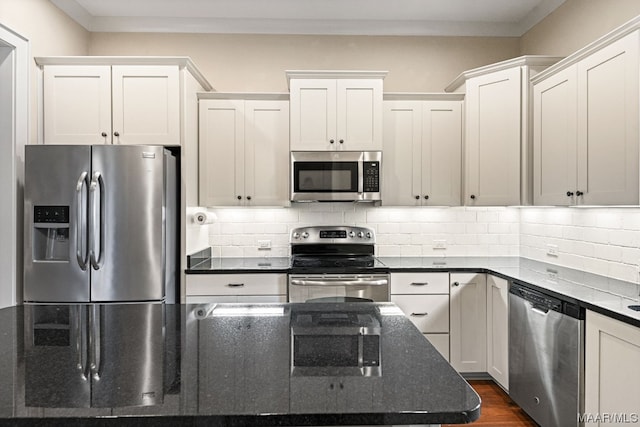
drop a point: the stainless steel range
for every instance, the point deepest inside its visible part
(336, 264)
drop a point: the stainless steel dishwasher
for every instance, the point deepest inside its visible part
(546, 356)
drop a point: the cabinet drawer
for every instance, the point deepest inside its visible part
(430, 313)
(236, 284)
(420, 283)
(440, 342)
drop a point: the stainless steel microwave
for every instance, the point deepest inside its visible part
(335, 176)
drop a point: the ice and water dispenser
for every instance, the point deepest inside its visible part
(51, 233)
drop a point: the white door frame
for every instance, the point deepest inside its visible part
(14, 135)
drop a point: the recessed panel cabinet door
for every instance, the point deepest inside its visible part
(313, 114)
(402, 153)
(221, 150)
(359, 114)
(146, 105)
(608, 124)
(77, 104)
(498, 329)
(554, 139)
(493, 138)
(267, 153)
(468, 313)
(612, 371)
(441, 153)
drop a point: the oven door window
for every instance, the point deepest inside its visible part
(325, 350)
(325, 177)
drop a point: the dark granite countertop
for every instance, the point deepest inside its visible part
(603, 294)
(214, 365)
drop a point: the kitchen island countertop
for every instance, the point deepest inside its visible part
(215, 365)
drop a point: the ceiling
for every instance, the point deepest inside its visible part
(499, 18)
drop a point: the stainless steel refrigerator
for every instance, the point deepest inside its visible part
(101, 223)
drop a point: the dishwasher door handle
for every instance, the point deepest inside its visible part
(539, 310)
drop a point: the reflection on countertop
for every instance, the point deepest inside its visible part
(220, 364)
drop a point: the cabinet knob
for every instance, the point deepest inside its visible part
(248, 197)
(417, 197)
(426, 197)
(104, 134)
(473, 197)
(331, 141)
(456, 283)
(116, 134)
(341, 141)
(579, 193)
(239, 197)
(569, 193)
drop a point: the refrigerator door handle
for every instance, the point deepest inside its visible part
(81, 342)
(81, 223)
(97, 215)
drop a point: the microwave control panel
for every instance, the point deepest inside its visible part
(371, 177)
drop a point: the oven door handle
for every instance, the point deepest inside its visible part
(334, 282)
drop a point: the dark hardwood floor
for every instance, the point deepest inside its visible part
(498, 410)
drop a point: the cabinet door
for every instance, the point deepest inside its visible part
(146, 105)
(498, 330)
(266, 142)
(313, 114)
(612, 371)
(401, 166)
(493, 111)
(359, 114)
(441, 153)
(608, 124)
(221, 150)
(468, 324)
(554, 139)
(77, 104)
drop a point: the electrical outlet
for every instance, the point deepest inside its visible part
(552, 250)
(439, 244)
(552, 275)
(264, 244)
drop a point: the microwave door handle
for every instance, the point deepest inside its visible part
(334, 282)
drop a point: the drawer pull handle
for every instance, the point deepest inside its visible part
(235, 285)
(419, 283)
(419, 314)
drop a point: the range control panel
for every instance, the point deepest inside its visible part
(333, 234)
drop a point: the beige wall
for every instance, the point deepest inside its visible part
(50, 33)
(257, 62)
(575, 24)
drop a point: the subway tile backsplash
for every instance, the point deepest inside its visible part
(462, 231)
(603, 241)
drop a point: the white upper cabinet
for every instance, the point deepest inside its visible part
(244, 151)
(119, 100)
(586, 126)
(146, 104)
(497, 133)
(554, 139)
(422, 150)
(77, 104)
(336, 110)
(608, 124)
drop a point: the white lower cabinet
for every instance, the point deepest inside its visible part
(498, 330)
(612, 372)
(468, 328)
(244, 288)
(424, 299)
